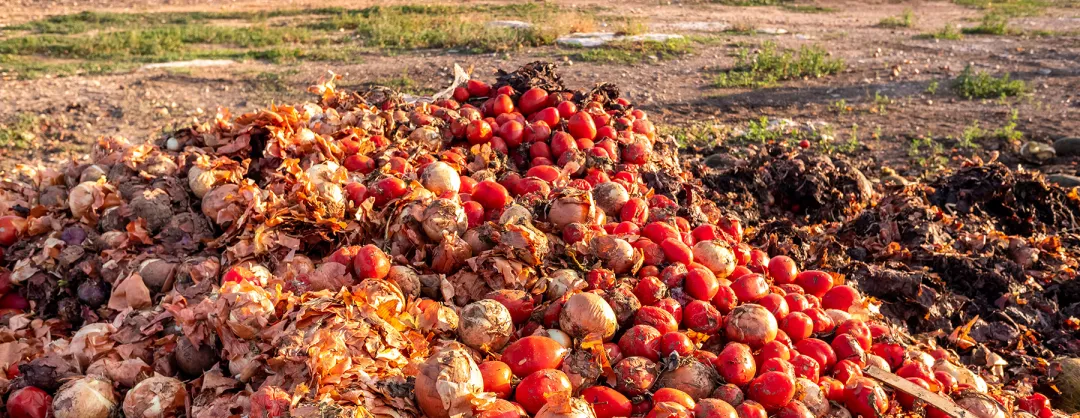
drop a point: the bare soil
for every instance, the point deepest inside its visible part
(886, 63)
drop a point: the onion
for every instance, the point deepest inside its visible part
(1066, 377)
(444, 216)
(406, 279)
(92, 173)
(566, 408)
(381, 295)
(716, 256)
(82, 198)
(448, 382)
(877, 361)
(610, 197)
(485, 325)
(582, 367)
(157, 273)
(811, 395)
(837, 316)
(577, 207)
(88, 397)
(516, 214)
(560, 337)
(695, 378)
(219, 204)
(588, 313)
(450, 254)
(250, 308)
(439, 319)
(480, 238)
(440, 177)
(617, 254)
(750, 324)
(157, 396)
(837, 411)
(201, 181)
(980, 405)
(194, 361)
(562, 281)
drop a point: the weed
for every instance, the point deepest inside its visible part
(925, 151)
(1009, 132)
(881, 103)
(770, 65)
(635, 52)
(742, 28)
(1009, 7)
(905, 20)
(992, 24)
(696, 135)
(931, 88)
(840, 107)
(852, 144)
(972, 84)
(19, 133)
(949, 32)
(758, 131)
(970, 134)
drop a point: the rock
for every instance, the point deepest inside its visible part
(1067, 146)
(720, 161)
(1064, 180)
(512, 24)
(1037, 152)
(595, 39)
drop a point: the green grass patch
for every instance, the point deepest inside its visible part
(950, 32)
(701, 134)
(1011, 7)
(971, 84)
(770, 65)
(992, 24)
(635, 52)
(18, 133)
(905, 20)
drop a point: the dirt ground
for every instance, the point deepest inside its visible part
(883, 92)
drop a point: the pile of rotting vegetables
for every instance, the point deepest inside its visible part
(520, 249)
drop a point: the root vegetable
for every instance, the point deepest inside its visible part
(587, 313)
(447, 383)
(750, 324)
(617, 254)
(572, 208)
(610, 197)
(696, 379)
(716, 256)
(440, 178)
(485, 325)
(193, 361)
(154, 397)
(566, 408)
(88, 397)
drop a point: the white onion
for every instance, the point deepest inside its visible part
(877, 361)
(562, 281)
(837, 316)
(485, 325)
(576, 208)
(444, 216)
(610, 197)
(566, 408)
(716, 256)
(515, 214)
(560, 337)
(588, 313)
(440, 177)
(980, 405)
(617, 254)
(448, 382)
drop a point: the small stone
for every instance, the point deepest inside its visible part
(1037, 152)
(1067, 146)
(1064, 180)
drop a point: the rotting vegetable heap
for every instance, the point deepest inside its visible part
(517, 249)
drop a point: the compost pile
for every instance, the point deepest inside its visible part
(519, 249)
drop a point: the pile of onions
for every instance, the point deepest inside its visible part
(448, 382)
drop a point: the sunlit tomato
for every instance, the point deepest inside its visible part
(461, 94)
(637, 211)
(371, 263)
(772, 390)
(533, 353)
(581, 125)
(750, 409)
(822, 322)
(797, 302)
(782, 269)
(675, 251)
(656, 317)
(474, 213)
(387, 189)
(775, 304)
(607, 402)
(701, 316)
(845, 371)
(815, 282)
(672, 307)
(478, 132)
(535, 389)
(841, 297)
(714, 408)
(725, 299)
(512, 132)
(566, 109)
(817, 350)
(359, 163)
(532, 100)
(491, 195)
(497, 378)
(701, 283)
(676, 342)
(518, 302)
(478, 88)
(502, 104)
(806, 367)
(650, 290)
(641, 341)
(776, 365)
(893, 353)
(750, 288)
(865, 397)
(736, 364)
(858, 329)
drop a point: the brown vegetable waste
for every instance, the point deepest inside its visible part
(123, 257)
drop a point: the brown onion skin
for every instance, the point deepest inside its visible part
(453, 365)
(750, 324)
(586, 313)
(485, 325)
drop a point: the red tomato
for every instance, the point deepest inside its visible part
(656, 317)
(478, 132)
(673, 395)
(371, 263)
(675, 251)
(841, 297)
(607, 402)
(566, 109)
(817, 350)
(11, 229)
(532, 100)
(714, 408)
(865, 397)
(641, 341)
(497, 378)
(772, 390)
(502, 104)
(548, 115)
(702, 317)
(533, 353)
(751, 409)
(750, 288)
(701, 283)
(736, 364)
(650, 290)
(725, 299)
(478, 88)
(535, 389)
(782, 269)
(518, 302)
(581, 125)
(676, 342)
(815, 282)
(491, 195)
(387, 189)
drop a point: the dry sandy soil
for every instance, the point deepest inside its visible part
(892, 63)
